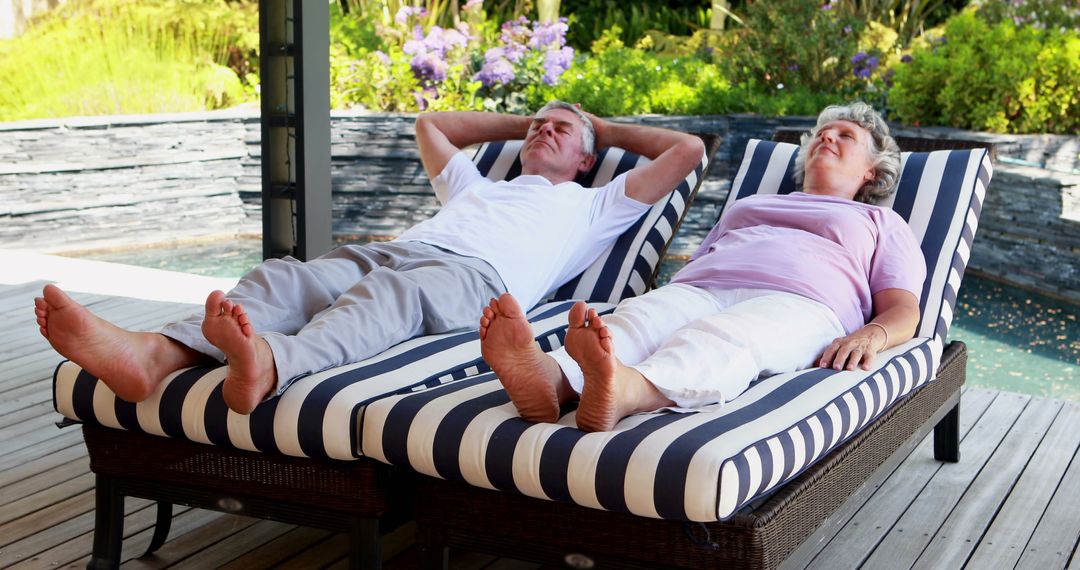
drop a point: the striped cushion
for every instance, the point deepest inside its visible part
(626, 268)
(702, 466)
(316, 417)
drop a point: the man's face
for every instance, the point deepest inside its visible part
(553, 145)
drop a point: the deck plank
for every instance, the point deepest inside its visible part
(1057, 537)
(182, 546)
(28, 469)
(285, 547)
(34, 502)
(45, 480)
(908, 537)
(67, 526)
(962, 530)
(1005, 541)
(862, 532)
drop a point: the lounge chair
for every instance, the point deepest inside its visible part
(296, 458)
(743, 486)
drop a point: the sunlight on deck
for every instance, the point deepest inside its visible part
(86, 276)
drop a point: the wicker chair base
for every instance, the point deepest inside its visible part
(451, 514)
(362, 498)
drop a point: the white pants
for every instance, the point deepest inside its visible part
(353, 303)
(702, 347)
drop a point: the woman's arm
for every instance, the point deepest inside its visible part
(896, 314)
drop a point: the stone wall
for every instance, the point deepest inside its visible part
(92, 183)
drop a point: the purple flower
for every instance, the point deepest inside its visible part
(405, 12)
(906, 59)
(847, 29)
(793, 67)
(428, 66)
(555, 63)
(827, 6)
(855, 59)
(862, 73)
(872, 62)
(382, 56)
(550, 34)
(498, 71)
(413, 47)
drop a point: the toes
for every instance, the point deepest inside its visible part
(54, 296)
(577, 314)
(214, 303)
(509, 307)
(594, 319)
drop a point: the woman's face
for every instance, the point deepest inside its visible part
(838, 160)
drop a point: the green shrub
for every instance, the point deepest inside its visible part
(998, 78)
(786, 44)
(591, 18)
(1058, 15)
(617, 80)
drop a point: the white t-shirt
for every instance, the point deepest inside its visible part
(535, 234)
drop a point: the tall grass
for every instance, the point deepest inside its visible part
(109, 57)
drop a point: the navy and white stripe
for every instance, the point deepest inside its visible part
(703, 466)
(315, 417)
(626, 268)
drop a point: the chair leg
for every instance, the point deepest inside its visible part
(365, 545)
(947, 436)
(161, 527)
(108, 524)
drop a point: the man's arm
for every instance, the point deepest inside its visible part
(441, 135)
(674, 155)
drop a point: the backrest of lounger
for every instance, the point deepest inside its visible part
(937, 193)
(628, 267)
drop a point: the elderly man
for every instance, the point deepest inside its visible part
(287, 318)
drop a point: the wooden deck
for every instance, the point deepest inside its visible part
(1012, 501)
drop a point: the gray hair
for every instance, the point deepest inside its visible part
(588, 133)
(884, 152)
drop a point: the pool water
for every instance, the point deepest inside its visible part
(1017, 341)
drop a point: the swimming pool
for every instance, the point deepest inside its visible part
(1017, 341)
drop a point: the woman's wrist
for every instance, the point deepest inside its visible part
(884, 331)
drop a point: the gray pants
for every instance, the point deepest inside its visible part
(353, 303)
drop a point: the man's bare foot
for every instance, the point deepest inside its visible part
(130, 363)
(252, 373)
(533, 379)
(612, 390)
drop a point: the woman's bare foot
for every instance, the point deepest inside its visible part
(612, 390)
(131, 364)
(533, 379)
(252, 373)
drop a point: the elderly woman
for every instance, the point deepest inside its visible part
(783, 282)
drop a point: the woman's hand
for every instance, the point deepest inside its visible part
(856, 349)
(896, 313)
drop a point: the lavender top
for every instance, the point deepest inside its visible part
(835, 251)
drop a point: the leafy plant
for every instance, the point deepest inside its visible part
(617, 80)
(1058, 15)
(590, 19)
(1000, 78)
(792, 43)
